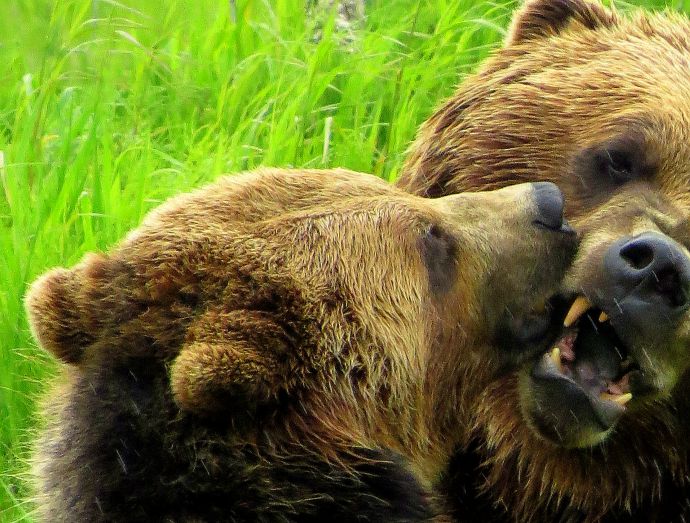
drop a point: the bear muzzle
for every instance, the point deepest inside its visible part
(617, 343)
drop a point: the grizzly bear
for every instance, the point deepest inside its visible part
(288, 345)
(599, 103)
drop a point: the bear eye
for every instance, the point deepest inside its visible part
(618, 166)
(615, 162)
(439, 250)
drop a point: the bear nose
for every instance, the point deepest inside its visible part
(652, 268)
(549, 207)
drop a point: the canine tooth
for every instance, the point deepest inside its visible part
(577, 309)
(603, 317)
(621, 399)
(555, 356)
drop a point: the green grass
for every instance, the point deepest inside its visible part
(109, 106)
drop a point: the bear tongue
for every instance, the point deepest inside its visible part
(596, 363)
(566, 344)
(590, 377)
(587, 358)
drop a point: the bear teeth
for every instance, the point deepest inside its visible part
(577, 309)
(620, 399)
(555, 356)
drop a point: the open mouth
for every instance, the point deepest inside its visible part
(583, 380)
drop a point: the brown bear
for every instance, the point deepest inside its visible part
(599, 103)
(288, 345)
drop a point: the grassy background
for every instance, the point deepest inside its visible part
(109, 106)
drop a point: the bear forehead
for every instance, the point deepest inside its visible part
(250, 201)
(251, 229)
(348, 218)
(638, 73)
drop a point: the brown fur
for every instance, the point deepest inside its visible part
(572, 77)
(281, 345)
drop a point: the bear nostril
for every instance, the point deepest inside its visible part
(638, 255)
(652, 269)
(669, 284)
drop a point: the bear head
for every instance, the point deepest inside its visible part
(599, 103)
(333, 308)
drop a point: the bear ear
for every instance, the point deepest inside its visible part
(59, 313)
(543, 18)
(231, 360)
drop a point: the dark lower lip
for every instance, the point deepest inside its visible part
(581, 404)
